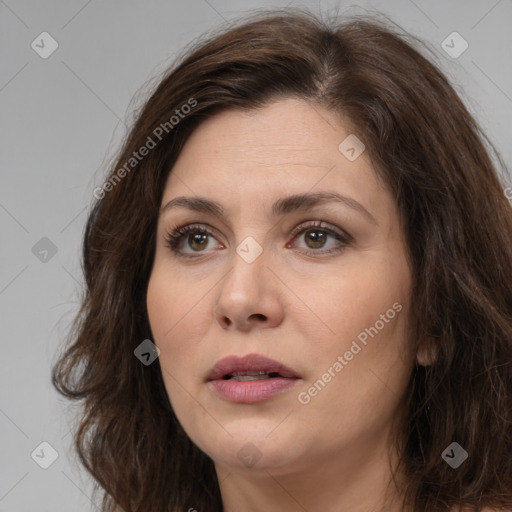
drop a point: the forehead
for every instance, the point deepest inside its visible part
(288, 130)
(287, 147)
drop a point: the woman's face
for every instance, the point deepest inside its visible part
(330, 302)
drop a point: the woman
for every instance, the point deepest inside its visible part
(298, 286)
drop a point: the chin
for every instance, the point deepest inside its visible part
(254, 445)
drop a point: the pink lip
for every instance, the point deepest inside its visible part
(250, 391)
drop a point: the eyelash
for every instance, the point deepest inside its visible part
(173, 238)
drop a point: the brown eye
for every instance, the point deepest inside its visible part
(316, 236)
(198, 241)
(192, 237)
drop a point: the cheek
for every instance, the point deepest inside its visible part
(356, 388)
(171, 315)
(363, 296)
(179, 316)
(164, 313)
(365, 311)
(174, 305)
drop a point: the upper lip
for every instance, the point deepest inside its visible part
(249, 362)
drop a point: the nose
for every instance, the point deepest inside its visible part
(249, 296)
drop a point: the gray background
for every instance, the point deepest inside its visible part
(61, 121)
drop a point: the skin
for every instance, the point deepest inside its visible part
(302, 310)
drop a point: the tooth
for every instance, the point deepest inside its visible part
(258, 376)
(250, 373)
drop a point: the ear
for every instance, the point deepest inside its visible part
(427, 351)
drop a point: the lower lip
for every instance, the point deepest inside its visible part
(251, 391)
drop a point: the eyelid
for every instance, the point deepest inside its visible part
(321, 224)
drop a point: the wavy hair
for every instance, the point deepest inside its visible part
(439, 165)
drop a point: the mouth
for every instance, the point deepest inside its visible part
(250, 378)
(250, 367)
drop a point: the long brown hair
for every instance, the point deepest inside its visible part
(458, 225)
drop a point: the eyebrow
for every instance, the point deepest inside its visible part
(285, 205)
